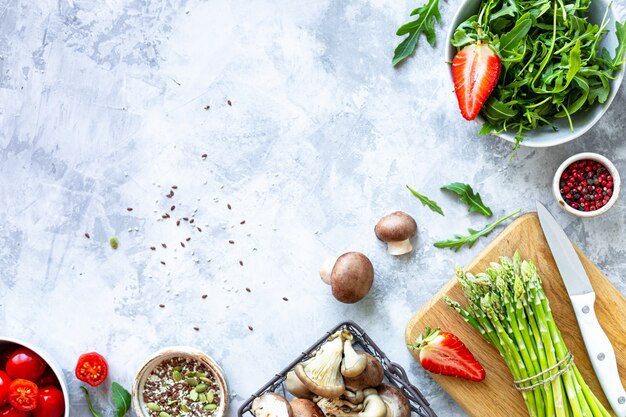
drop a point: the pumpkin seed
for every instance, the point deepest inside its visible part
(202, 398)
(200, 374)
(204, 379)
(191, 381)
(153, 407)
(190, 373)
(193, 395)
(164, 414)
(201, 387)
(177, 376)
(210, 407)
(210, 397)
(177, 368)
(184, 408)
(172, 402)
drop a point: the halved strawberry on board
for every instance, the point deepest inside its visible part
(443, 353)
(475, 70)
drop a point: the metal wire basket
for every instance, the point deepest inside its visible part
(394, 373)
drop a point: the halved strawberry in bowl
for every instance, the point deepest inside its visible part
(443, 353)
(475, 70)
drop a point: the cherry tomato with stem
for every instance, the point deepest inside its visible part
(50, 403)
(23, 395)
(25, 364)
(92, 369)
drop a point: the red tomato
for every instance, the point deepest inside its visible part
(5, 382)
(9, 411)
(92, 368)
(25, 364)
(50, 403)
(23, 395)
(48, 378)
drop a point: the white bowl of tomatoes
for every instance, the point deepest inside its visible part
(31, 384)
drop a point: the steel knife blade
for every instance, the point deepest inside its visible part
(599, 348)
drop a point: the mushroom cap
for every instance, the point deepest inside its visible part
(301, 407)
(372, 376)
(271, 405)
(395, 227)
(351, 277)
(397, 404)
(296, 387)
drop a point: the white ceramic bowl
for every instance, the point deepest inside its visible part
(172, 352)
(556, 190)
(51, 363)
(545, 136)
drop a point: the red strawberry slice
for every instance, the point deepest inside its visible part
(475, 70)
(443, 353)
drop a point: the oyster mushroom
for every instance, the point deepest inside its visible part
(372, 376)
(396, 229)
(351, 277)
(353, 363)
(271, 405)
(296, 387)
(338, 407)
(397, 404)
(322, 373)
(353, 396)
(373, 405)
(302, 407)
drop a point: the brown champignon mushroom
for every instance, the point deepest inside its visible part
(372, 376)
(302, 407)
(271, 405)
(396, 229)
(397, 404)
(351, 277)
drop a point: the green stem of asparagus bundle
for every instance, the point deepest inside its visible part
(508, 307)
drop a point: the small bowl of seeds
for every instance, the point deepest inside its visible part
(180, 381)
(586, 185)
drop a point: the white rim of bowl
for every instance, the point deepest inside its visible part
(50, 362)
(579, 157)
(184, 351)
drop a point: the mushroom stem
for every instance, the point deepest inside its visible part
(399, 248)
(327, 268)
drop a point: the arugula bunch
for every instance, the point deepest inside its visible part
(551, 63)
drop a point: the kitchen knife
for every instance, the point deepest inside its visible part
(599, 348)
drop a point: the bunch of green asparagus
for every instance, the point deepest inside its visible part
(509, 308)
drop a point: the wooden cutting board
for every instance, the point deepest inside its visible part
(496, 396)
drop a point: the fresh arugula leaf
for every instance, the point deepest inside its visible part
(512, 39)
(93, 412)
(121, 399)
(426, 201)
(466, 194)
(620, 33)
(459, 241)
(425, 23)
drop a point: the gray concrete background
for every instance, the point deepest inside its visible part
(102, 108)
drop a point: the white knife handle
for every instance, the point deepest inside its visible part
(600, 351)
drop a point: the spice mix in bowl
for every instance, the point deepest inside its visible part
(180, 381)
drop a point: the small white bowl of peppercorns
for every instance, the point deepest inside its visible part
(586, 184)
